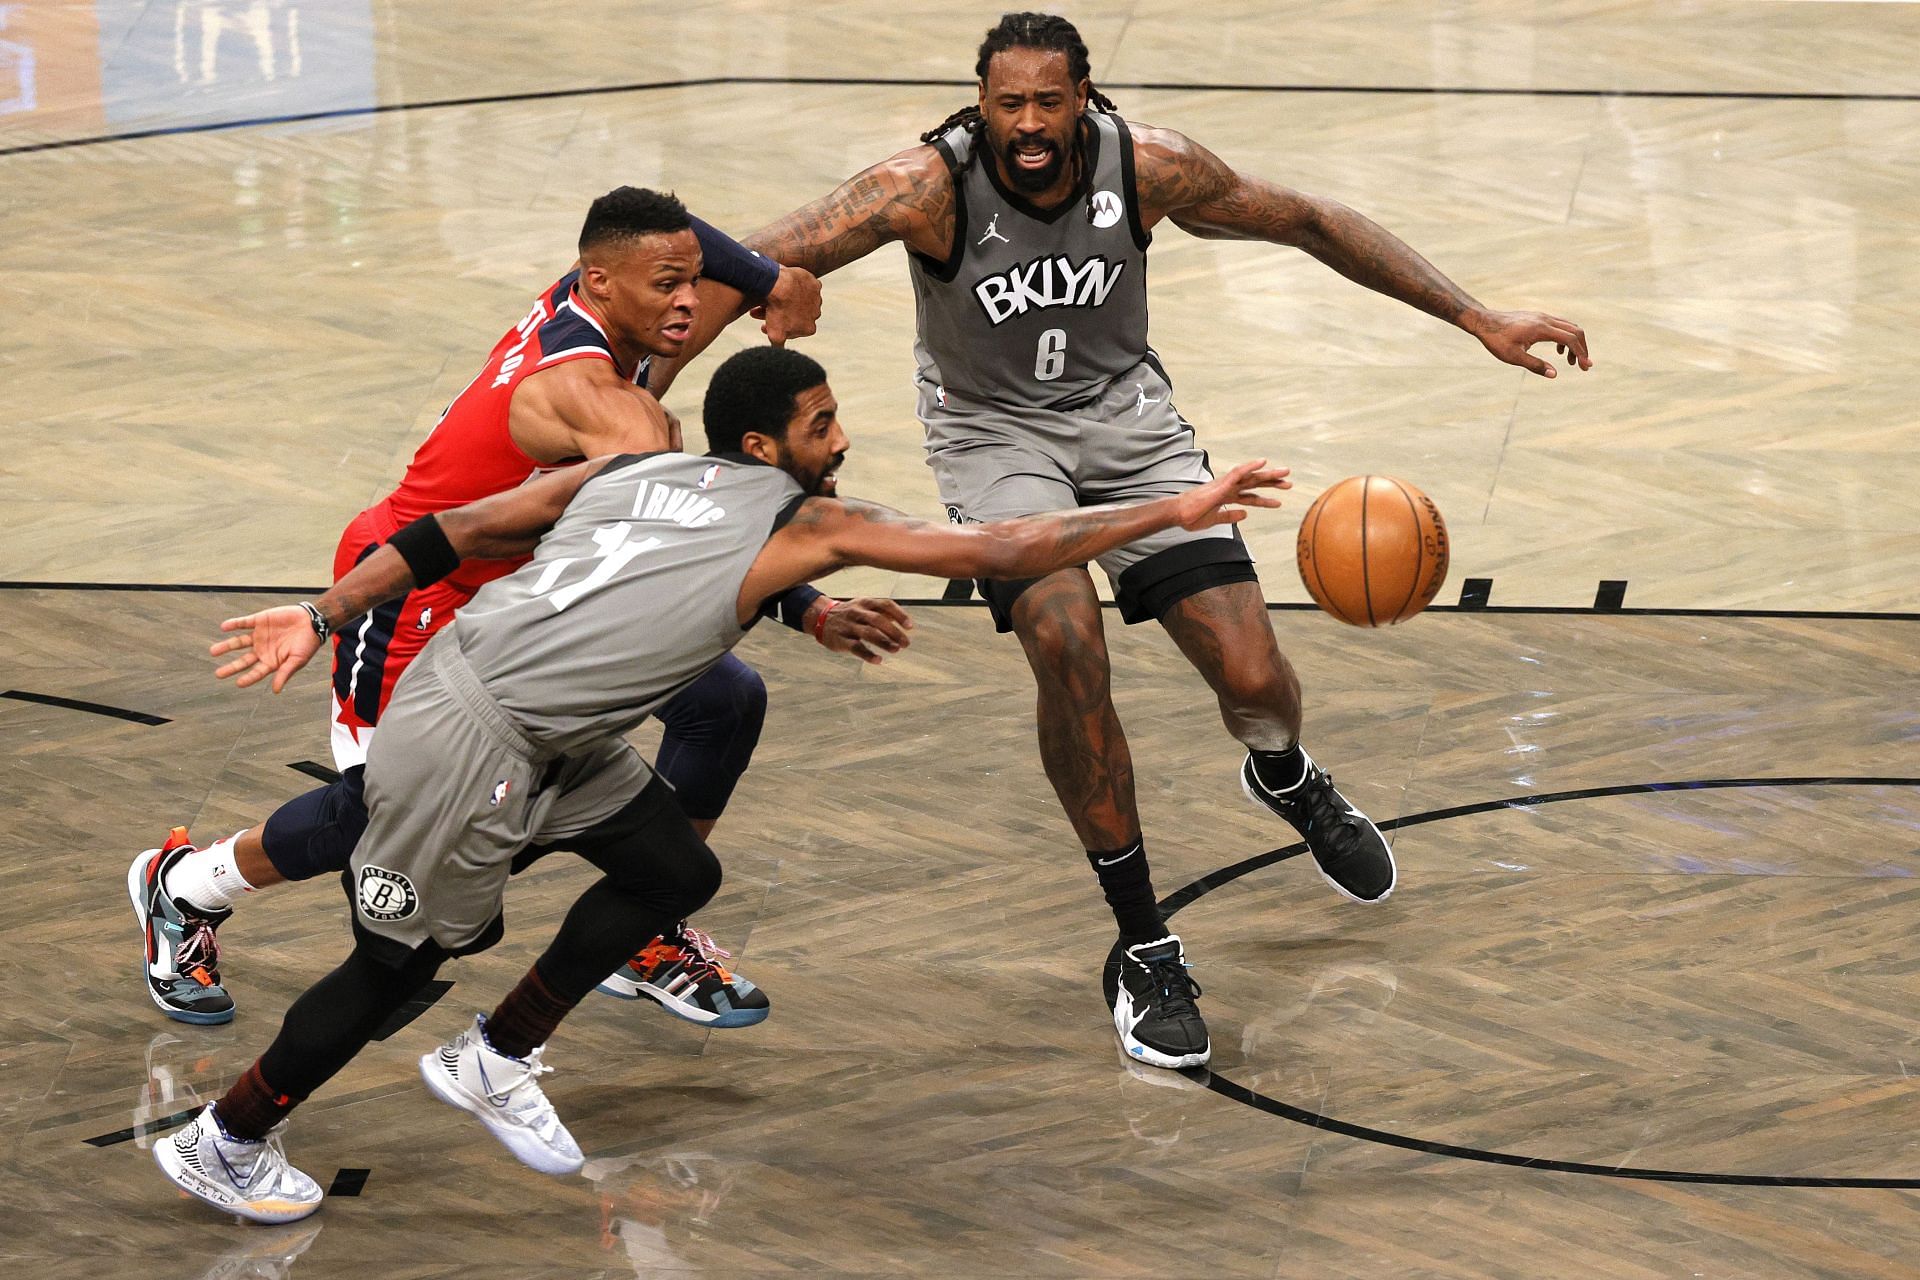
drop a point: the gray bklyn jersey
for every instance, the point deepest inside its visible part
(1036, 308)
(630, 596)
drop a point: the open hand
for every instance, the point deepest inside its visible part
(869, 628)
(792, 309)
(274, 642)
(1508, 334)
(1210, 504)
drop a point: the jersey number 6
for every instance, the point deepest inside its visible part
(1051, 360)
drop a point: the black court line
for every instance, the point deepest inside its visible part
(1275, 606)
(159, 1124)
(314, 769)
(1146, 86)
(1314, 1120)
(182, 588)
(1188, 894)
(406, 1013)
(92, 708)
(348, 1182)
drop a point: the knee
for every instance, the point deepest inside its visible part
(1260, 683)
(1064, 641)
(725, 705)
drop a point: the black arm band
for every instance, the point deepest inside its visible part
(790, 606)
(731, 263)
(424, 546)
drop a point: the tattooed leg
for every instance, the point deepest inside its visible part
(1225, 634)
(1082, 746)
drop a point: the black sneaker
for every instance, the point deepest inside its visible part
(181, 963)
(1353, 855)
(1153, 1008)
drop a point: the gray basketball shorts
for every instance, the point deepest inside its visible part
(454, 790)
(995, 461)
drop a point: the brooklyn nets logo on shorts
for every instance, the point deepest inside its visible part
(386, 895)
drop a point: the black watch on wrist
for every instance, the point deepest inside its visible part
(319, 621)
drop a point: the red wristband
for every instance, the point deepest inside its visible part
(820, 623)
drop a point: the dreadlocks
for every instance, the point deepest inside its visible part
(1028, 31)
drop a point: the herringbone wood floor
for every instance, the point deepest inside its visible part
(219, 345)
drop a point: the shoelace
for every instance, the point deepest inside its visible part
(536, 1109)
(503, 1090)
(199, 949)
(1177, 989)
(706, 953)
(1325, 814)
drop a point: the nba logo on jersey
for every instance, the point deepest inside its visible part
(1104, 209)
(708, 476)
(426, 618)
(500, 790)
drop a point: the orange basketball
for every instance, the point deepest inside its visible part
(1373, 551)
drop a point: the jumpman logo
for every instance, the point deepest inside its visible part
(993, 232)
(1140, 406)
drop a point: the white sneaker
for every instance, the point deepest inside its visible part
(503, 1092)
(252, 1179)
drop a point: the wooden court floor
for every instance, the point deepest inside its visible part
(1644, 1004)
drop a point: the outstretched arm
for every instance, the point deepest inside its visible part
(1181, 180)
(832, 533)
(278, 642)
(908, 197)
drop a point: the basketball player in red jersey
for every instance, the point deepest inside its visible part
(565, 383)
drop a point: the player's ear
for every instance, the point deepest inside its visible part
(764, 447)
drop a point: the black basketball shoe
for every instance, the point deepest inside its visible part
(1153, 1009)
(1353, 855)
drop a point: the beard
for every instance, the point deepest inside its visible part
(826, 484)
(1033, 181)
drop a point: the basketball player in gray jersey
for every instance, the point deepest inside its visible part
(504, 736)
(1026, 221)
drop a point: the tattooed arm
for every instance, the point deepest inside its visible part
(832, 533)
(1181, 180)
(908, 198)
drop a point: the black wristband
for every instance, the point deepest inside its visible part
(316, 619)
(727, 261)
(790, 606)
(424, 546)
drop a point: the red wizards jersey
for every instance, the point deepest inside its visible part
(469, 455)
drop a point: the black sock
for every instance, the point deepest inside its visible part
(1280, 770)
(1128, 884)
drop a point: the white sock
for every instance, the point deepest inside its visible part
(209, 878)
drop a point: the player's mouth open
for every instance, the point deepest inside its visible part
(1034, 155)
(679, 330)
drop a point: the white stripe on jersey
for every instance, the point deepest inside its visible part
(602, 352)
(567, 305)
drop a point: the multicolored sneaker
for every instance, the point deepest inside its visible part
(682, 973)
(252, 1179)
(182, 961)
